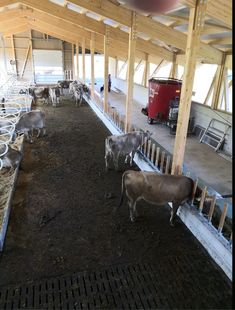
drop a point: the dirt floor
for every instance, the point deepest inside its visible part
(62, 219)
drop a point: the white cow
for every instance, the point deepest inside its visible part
(55, 95)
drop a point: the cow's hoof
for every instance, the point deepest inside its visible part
(133, 219)
(172, 224)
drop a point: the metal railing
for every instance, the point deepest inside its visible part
(15, 99)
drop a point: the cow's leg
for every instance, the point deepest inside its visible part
(115, 160)
(39, 131)
(43, 131)
(132, 208)
(30, 136)
(107, 157)
(80, 102)
(131, 157)
(175, 207)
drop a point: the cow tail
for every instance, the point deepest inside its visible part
(123, 188)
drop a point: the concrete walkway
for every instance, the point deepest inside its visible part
(200, 159)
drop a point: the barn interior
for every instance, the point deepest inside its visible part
(61, 199)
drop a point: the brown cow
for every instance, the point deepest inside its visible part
(155, 188)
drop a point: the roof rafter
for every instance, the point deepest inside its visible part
(115, 33)
(219, 9)
(148, 26)
(121, 15)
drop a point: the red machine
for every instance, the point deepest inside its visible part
(161, 92)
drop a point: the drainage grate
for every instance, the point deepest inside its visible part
(139, 286)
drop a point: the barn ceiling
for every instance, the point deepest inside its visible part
(158, 35)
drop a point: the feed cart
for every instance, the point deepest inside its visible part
(163, 102)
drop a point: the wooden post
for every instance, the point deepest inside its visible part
(174, 68)
(4, 52)
(106, 66)
(196, 22)
(149, 147)
(145, 146)
(14, 53)
(168, 160)
(73, 75)
(130, 71)
(212, 207)
(222, 218)
(25, 61)
(226, 93)
(157, 68)
(194, 190)
(162, 161)
(146, 71)
(77, 59)
(83, 60)
(31, 53)
(153, 152)
(116, 67)
(122, 67)
(210, 90)
(218, 83)
(204, 191)
(92, 50)
(157, 156)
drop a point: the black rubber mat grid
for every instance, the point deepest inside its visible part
(135, 286)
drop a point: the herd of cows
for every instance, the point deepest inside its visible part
(52, 94)
(152, 187)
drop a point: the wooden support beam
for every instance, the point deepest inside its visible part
(11, 15)
(116, 67)
(92, 50)
(157, 68)
(174, 68)
(31, 54)
(73, 66)
(220, 10)
(196, 22)
(58, 35)
(106, 66)
(154, 29)
(122, 67)
(26, 59)
(146, 72)
(83, 60)
(13, 28)
(77, 59)
(226, 92)
(147, 25)
(210, 90)
(218, 83)
(7, 2)
(14, 53)
(138, 65)
(130, 71)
